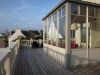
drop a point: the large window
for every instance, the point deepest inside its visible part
(49, 30)
(78, 15)
(61, 33)
(83, 10)
(83, 33)
(54, 29)
(74, 8)
(63, 11)
(91, 11)
(73, 34)
(97, 12)
(45, 31)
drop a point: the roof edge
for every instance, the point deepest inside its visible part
(71, 1)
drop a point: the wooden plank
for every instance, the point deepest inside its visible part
(36, 62)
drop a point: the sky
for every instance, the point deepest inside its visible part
(24, 14)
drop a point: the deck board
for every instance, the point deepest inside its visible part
(35, 62)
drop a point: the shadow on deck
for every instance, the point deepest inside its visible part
(36, 62)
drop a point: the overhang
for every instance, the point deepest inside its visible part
(72, 1)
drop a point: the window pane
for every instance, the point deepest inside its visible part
(91, 11)
(55, 16)
(74, 8)
(63, 11)
(83, 33)
(82, 10)
(72, 34)
(49, 34)
(97, 12)
(60, 13)
(62, 26)
(61, 34)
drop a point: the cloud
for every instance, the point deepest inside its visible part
(24, 13)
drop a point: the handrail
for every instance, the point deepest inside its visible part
(7, 57)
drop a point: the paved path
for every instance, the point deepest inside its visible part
(35, 62)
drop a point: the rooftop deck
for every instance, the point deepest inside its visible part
(35, 62)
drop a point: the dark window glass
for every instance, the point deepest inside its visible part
(60, 13)
(72, 33)
(97, 12)
(91, 11)
(83, 34)
(62, 26)
(61, 33)
(56, 16)
(74, 8)
(82, 10)
(63, 11)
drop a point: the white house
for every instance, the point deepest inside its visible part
(16, 35)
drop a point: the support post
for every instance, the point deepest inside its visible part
(87, 32)
(68, 35)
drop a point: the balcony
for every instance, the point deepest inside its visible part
(21, 59)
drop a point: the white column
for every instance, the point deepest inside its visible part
(68, 36)
(87, 33)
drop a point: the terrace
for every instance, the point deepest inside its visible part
(70, 46)
(21, 59)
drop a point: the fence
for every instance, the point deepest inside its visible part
(7, 57)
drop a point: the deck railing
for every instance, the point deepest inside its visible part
(7, 57)
(30, 43)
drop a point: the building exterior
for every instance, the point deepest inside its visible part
(2, 42)
(72, 32)
(17, 35)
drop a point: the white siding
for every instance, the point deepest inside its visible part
(93, 1)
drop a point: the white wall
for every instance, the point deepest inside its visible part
(93, 1)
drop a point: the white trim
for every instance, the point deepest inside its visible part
(87, 33)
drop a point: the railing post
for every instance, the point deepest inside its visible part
(7, 66)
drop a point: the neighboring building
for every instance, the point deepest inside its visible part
(72, 32)
(17, 35)
(2, 42)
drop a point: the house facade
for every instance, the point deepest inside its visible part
(72, 32)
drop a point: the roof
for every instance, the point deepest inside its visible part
(1, 35)
(17, 34)
(84, 2)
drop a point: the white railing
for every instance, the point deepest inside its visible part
(56, 53)
(7, 57)
(29, 43)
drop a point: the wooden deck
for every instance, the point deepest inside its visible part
(35, 62)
